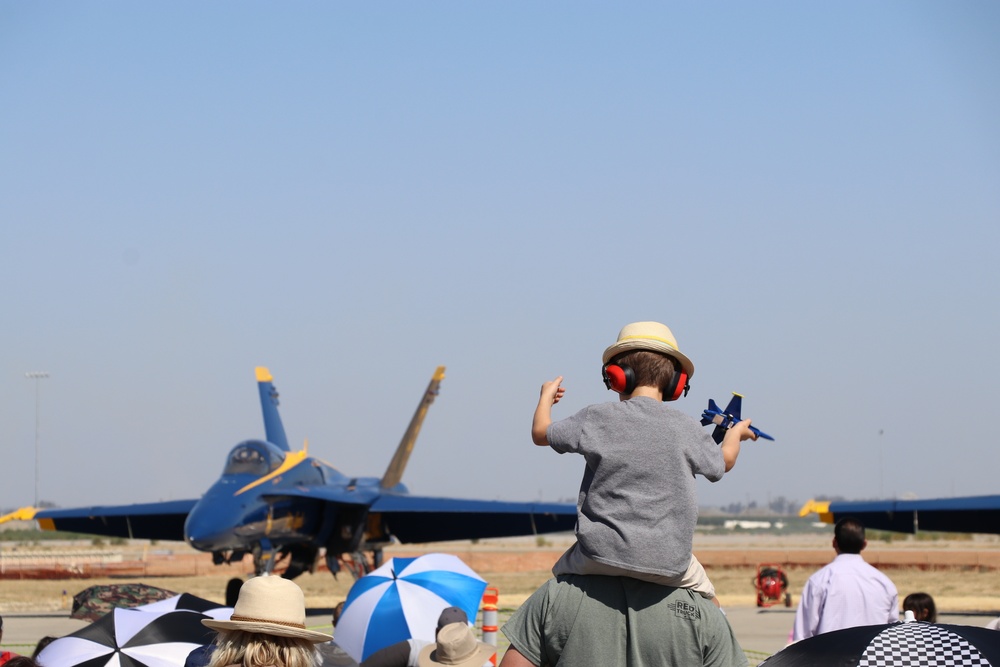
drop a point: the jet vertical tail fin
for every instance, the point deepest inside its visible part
(735, 407)
(394, 473)
(274, 430)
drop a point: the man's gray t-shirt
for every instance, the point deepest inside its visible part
(584, 620)
(637, 507)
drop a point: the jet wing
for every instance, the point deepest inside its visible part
(363, 495)
(425, 519)
(151, 521)
(417, 519)
(972, 514)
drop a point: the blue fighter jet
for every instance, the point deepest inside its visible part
(274, 503)
(724, 419)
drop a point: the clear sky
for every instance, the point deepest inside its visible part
(353, 193)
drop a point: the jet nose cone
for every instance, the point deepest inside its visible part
(206, 530)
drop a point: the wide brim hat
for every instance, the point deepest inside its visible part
(456, 646)
(651, 336)
(270, 605)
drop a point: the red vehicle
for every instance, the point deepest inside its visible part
(772, 585)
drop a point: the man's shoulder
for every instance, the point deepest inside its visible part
(823, 573)
(623, 593)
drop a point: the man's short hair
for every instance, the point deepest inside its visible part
(850, 535)
(651, 369)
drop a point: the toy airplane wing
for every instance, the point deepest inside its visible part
(426, 519)
(972, 514)
(708, 414)
(150, 521)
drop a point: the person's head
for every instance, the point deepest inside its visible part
(646, 355)
(456, 646)
(21, 661)
(337, 611)
(42, 643)
(267, 628)
(233, 587)
(922, 606)
(253, 649)
(849, 536)
(451, 615)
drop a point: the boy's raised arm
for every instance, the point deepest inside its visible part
(551, 393)
(731, 442)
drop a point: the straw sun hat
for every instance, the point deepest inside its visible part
(270, 605)
(651, 336)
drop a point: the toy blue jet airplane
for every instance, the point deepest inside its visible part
(724, 419)
(274, 503)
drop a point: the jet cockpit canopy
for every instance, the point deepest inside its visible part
(253, 457)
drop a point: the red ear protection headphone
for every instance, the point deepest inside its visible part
(621, 378)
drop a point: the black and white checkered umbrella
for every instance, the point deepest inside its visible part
(897, 644)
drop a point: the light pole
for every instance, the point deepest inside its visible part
(36, 376)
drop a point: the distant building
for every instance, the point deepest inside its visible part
(731, 524)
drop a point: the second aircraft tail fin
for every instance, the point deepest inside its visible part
(394, 473)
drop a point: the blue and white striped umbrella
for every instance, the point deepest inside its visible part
(403, 599)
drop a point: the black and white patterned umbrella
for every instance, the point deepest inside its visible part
(895, 645)
(188, 602)
(130, 638)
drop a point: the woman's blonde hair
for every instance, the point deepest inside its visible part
(251, 649)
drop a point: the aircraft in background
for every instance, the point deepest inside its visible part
(273, 503)
(971, 514)
(724, 419)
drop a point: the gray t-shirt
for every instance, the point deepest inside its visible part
(637, 507)
(583, 620)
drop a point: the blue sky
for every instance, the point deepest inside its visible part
(351, 194)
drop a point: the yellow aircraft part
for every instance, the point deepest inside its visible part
(820, 507)
(22, 514)
(263, 375)
(394, 472)
(292, 459)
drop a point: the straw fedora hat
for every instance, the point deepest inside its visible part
(456, 646)
(270, 605)
(651, 336)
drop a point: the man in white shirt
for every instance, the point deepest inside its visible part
(847, 592)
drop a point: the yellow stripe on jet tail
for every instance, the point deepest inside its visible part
(263, 375)
(820, 507)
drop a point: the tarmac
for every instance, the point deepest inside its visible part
(760, 632)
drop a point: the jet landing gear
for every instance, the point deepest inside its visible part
(355, 562)
(264, 558)
(227, 557)
(303, 559)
